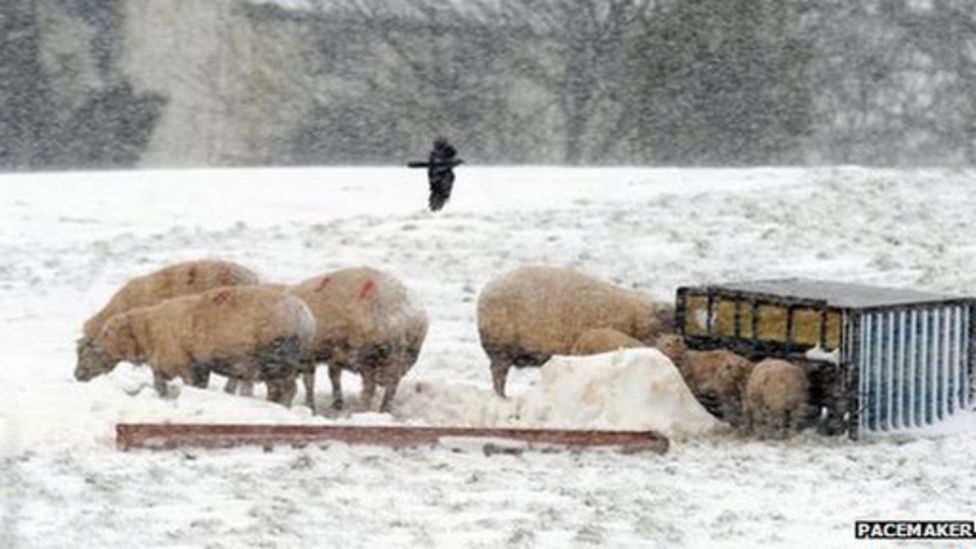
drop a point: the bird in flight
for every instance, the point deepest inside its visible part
(440, 165)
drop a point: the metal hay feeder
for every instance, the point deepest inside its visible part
(880, 359)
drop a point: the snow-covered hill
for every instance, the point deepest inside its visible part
(67, 241)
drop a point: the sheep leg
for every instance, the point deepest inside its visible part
(161, 384)
(199, 376)
(274, 391)
(308, 379)
(290, 387)
(388, 394)
(244, 387)
(792, 421)
(767, 426)
(247, 387)
(335, 378)
(732, 411)
(369, 389)
(754, 417)
(282, 391)
(241, 376)
(499, 375)
(188, 379)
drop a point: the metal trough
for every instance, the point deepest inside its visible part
(170, 435)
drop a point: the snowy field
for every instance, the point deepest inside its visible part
(67, 241)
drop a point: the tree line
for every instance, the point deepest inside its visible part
(649, 82)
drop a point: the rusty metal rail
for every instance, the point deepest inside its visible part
(171, 435)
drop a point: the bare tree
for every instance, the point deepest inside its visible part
(580, 58)
(940, 45)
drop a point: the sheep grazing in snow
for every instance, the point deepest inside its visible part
(603, 340)
(776, 398)
(717, 378)
(246, 386)
(368, 322)
(532, 313)
(245, 332)
(181, 279)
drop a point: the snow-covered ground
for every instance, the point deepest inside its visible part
(67, 241)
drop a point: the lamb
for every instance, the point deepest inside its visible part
(777, 397)
(532, 313)
(368, 322)
(186, 278)
(603, 340)
(245, 332)
(717, 378)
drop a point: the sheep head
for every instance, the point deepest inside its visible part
(664, 315)
(92, 361)
(652, 319)
(114, 343)
(672, 346)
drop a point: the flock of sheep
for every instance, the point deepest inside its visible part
(190, 319)
(194, 318)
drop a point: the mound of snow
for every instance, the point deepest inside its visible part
(625, 389)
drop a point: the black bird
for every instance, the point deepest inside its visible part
(440, 172)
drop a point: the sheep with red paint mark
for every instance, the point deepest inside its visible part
(369, 323)
(532, 313)
(187, 278)
(245, 332)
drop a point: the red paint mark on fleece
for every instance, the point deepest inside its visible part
(369, 288)
(223, 277)
(222, 297)
(322, 284)
(191, 276)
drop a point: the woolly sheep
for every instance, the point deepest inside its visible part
(246, 385)
(776, 399)
(241, 331)
(176, 280)
(532, 313)
(717, 378)
(603, 340)
(368, 322)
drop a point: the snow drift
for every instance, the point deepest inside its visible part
(625, 389)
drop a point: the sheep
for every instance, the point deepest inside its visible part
(245, 385)
(246, 332)
(603, 340)
(185, 278)
(532, 313)
(717, 378)
(368, 322)
(776, 398)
